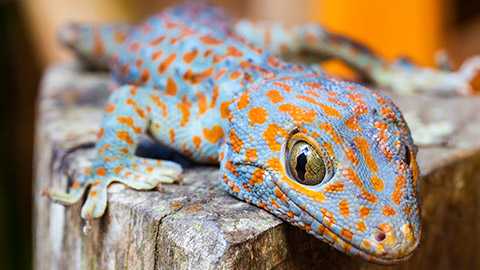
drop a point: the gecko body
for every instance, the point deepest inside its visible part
(332, 157)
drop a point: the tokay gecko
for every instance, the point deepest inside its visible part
(331, 157)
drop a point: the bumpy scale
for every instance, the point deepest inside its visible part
(331, 157)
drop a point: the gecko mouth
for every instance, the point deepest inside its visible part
(337, 240)
(345, 245)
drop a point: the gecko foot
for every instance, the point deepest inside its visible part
(134, 172)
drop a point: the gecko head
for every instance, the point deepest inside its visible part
(333, 158)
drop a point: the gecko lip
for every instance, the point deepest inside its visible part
(357, 251)
(389, 257)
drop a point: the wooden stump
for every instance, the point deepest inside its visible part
(197, 225)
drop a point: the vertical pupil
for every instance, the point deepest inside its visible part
(301, 164)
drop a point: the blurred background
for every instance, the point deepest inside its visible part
(416, 29)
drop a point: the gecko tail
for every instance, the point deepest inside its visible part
(93, 44)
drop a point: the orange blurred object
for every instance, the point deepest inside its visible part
(409, 28)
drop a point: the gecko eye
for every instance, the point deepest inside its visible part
(305, 164)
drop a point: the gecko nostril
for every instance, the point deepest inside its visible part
(380, 236)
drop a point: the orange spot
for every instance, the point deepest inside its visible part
(368, 196)
(361, 106)
(328, 218)
(189, 56)
(351, 155)
(220, 73)
(284, 86)
(351, 175)
(145, 75)
(136, 107)
(257, 115)
(352, 124)
(230, 167)
(257, 177)
(129, 122)
(330, 111)
(344, 208)
(382, 127)
(313, 93)
(361, 226)
(246, 187)
(235, 75)
(336, 187)
(397, 194)
(298, 114)
(264, 206)
(202, 103)
(87, 170)
(280, 195)
(274, 96)
(314, 85)
(250, 155)
(364, 211)
(213, 135)
(270, 135)
(233, 51)
(224, 111)
(366, 243)
(364, 148)
(209, 40)
(119, 37)
(124, 136)
(388, 211)
(166, 63)
(195, 78)
(109, 108)
(94, 193)
(98, 47)
(118, 169)
(197, 141)
(346, 233)
(156, 100)
(274, 164)
(134, 90)
(96, 183)
(138, 62)
(156, 55)
(235, 141)
(275, 204)
(336, 101)
(171, 87)
(184, 107)
(243, 101)
(207, 53)
(384, 227)
(214, 96)
(377, 183)
(172, 135)
(101, 171)
(157, 41)
(103, 148)
(75, 184)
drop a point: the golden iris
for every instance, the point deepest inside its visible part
(306, 164)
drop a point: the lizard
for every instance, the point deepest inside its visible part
(334, 158)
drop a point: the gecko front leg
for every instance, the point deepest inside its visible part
(127, 115)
